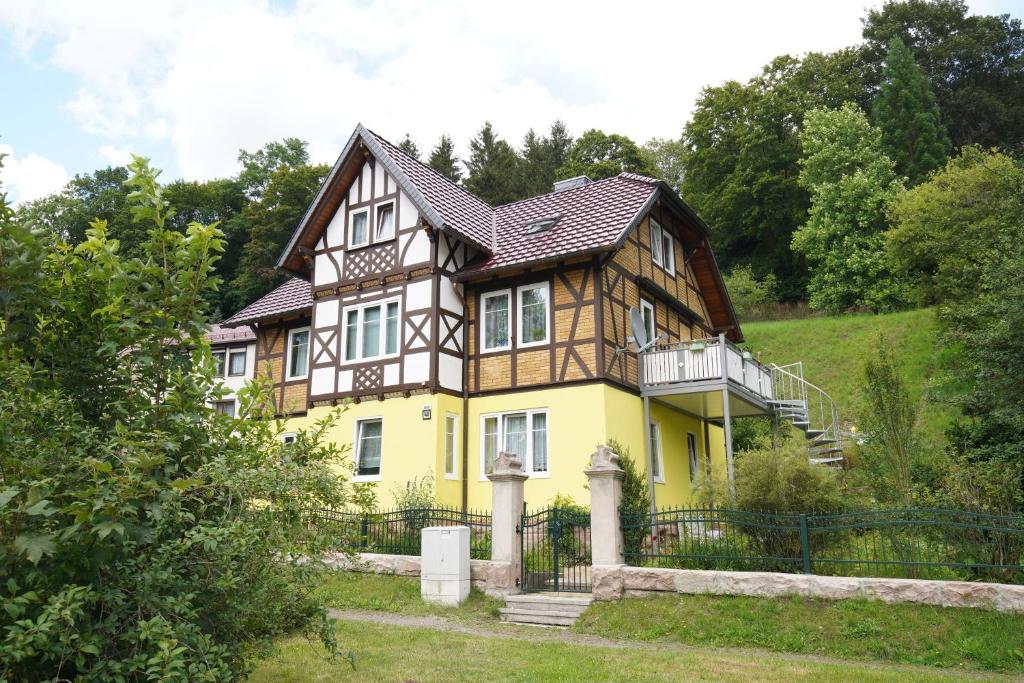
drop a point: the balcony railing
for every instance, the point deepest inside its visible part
(703, 360)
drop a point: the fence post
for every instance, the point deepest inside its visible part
(805, 545)
(607, 547)
(506, 512)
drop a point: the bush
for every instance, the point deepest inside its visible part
(142, 536)
(418, 493)
(751, 297)
(784, 481)
(635, 497)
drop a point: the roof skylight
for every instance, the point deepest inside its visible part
(541, 225)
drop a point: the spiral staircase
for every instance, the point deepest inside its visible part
(808, 408)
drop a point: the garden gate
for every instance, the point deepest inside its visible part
(555, 550)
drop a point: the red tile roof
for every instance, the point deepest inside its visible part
(590, 217)
(219, 334)
(294, 296)
(460, 209)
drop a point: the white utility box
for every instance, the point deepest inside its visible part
(444, 564)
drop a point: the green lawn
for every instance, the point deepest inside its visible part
(399, 653)
(853, 629)
(848, 629)
(833, 350)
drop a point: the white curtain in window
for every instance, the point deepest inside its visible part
(515, 435)
(370, 433)
(539, 437)
(534, 315)
(359, 232)
(496, 321)
(490, 443)
(655, 450)
(449, 444)
(656, 242)
(385, 222)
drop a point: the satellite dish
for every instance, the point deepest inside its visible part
(637, 327)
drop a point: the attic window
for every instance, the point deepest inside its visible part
(541, 225)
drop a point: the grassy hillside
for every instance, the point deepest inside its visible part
(833, 350)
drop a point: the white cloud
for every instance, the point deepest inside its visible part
(115, 156)
(216, 77)
(30, 177)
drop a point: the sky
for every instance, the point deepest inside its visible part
(190, 83)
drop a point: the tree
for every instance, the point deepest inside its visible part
(960, 237)
(906, 113)
(850, 180)
(600, 155)
(100, 194)
(974, 64)
(444, 161)
(750, 295)
(259, 167)
(669, 158)
(271, 220)
(890, 420)
(143, 535)
(409, 147)
(742, 164)
(542, 157)
(493, 168)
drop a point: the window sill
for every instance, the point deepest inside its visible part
(658, 480)
(502, 349)
(375, 359)
(451, 477)
(529, 345)
(366, 477)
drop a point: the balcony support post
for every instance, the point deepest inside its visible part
(727, 426)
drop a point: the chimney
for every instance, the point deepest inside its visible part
(570, 183)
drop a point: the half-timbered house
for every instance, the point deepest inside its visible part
(452, 330)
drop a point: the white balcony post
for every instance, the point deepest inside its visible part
(723, 356)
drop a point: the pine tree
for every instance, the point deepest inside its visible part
(494, 169)
(542, 156)
(906, 112)
(409, 147)
(444, 161)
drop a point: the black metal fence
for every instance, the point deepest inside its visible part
(555, 547)
(397, 532)
(909, 543)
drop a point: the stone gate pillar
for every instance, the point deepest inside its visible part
(607, 548)
(506, 511)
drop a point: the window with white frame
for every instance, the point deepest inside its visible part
(691, 451)
(371, 330)
(236, 363)
(497, 320)
(218, 361)
(656, 460)
(662, 247)
(647, 313)
(451, 424)
(289, 437)
(534, 308)
(369, 437)
(359, 228)
(298, 353)
(225, 407)
(524, 433)
(385, 222)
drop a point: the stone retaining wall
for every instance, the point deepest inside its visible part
(493, 578)
(613, 581)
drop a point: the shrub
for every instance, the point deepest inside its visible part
(418, 492)
(751, 296)
(635, 496)
(142, 536)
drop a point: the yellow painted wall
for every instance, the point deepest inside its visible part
(579, 418)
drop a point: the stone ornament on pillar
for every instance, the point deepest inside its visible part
(507, 479)
(607, 547)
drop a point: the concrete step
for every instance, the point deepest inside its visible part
(546, 609)
(551, 599)
(538, 619)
